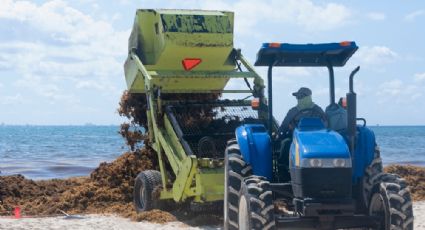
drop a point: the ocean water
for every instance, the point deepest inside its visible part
(43, 152)
(401, 144)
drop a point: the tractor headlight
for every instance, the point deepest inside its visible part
(339, 163)
(316, 163)
(326, 163)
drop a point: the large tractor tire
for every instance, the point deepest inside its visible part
(391, 201)
(235, 170)
(145, 185)
(371, 177)
(256, 209)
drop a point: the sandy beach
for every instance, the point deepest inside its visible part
(88, 222)
(419, 213)
(117, 223)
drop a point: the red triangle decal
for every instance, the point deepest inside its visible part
(190, 63)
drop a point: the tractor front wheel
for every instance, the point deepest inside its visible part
(391, 202)
(145, 186)
(235, 170)
(256, 209)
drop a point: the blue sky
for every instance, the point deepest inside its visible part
(61, 62)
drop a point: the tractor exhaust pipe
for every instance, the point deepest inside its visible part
(352, 111)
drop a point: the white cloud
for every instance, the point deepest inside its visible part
(420, 77)
(12, 100)
(375, 55)
(42, 87)
(393, 88)
(376, 16)
(61, 21)
(124, 2)
(66, 24)
(72, 47)
(97, 85)
(412, 16)
(324, 91)
(398, 91)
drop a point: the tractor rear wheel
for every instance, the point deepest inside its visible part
(145, 185)
(391, 201)
(256, 209)
(235, 170)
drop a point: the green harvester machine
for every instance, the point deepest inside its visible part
(182, 60)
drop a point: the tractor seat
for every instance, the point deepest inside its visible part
(337, 117)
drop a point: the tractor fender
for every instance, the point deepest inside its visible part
(255, 146)
(364, 152)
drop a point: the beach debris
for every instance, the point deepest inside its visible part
(133, 107)
(132, 135)
(155, 215)
(17, 212)
(414, 176)
(108, 190)
(67, 216)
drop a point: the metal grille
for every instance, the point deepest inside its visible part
(207, 127)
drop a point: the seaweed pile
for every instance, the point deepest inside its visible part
(109, 189)
(415, 177)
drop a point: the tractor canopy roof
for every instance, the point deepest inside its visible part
(285, 54)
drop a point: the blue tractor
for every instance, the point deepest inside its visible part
(323, 176)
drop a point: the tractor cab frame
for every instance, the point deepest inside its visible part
(308, 55)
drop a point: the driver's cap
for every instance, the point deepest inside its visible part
(302, 92)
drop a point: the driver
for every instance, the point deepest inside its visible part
(304, 108)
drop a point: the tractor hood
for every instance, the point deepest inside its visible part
(320, 144)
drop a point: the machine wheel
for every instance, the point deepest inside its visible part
(256, 209)
(235, 170)
(372, 174)
(144, 187)
(391, 200)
